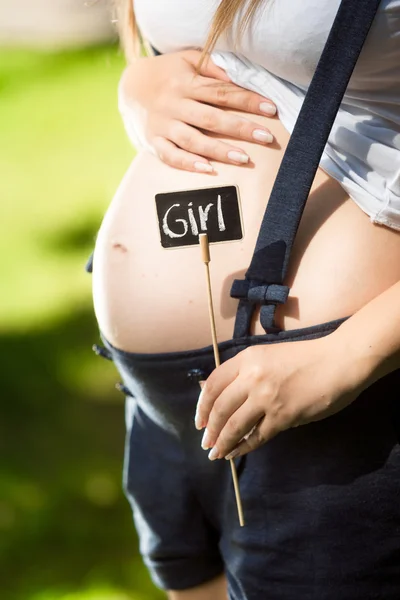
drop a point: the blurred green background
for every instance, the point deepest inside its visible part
(66, 531)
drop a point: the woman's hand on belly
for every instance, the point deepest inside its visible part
(268, 389)
(165, 103)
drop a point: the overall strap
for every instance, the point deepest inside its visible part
(263, 283)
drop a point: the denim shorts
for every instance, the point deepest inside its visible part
(321, 501)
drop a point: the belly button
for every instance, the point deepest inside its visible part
(119, 246)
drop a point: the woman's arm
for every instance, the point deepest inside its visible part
(275, 387)
(371, 337)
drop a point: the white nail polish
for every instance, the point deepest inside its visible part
(205, 442)
(203, 167)
(201, 395)
(268, 109)
(238, 156)
(262, 136)
(213, 455)
(198, 422)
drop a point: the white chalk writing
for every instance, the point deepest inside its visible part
(166, 228)
(221, 222)
(168, 222)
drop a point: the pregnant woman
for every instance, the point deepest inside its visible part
(320, 472)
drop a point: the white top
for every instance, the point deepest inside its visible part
(277, 58)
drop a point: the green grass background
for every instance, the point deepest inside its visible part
(66, 531)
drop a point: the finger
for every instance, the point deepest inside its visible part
(226, 405)
(219, 379)
(180, 159)
(208, 67)
(263, 432)
(219, 121)
(240, 423)
(194, 141)
(230, 95)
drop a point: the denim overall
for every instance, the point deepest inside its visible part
(321, 501)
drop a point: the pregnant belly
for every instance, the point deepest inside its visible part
(151, 299)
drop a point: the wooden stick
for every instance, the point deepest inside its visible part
(205, 255)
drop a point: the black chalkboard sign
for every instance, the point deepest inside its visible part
(182, 216)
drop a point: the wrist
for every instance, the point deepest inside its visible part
(358, 359)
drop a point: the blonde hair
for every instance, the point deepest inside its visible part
(223, 20)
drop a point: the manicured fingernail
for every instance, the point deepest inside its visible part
(198, 422)
(232, 454)
(268, 109)
(202, 392)
(206, 441)
(213, 455)
(203, 167)
(238, 156)
(263, 136)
